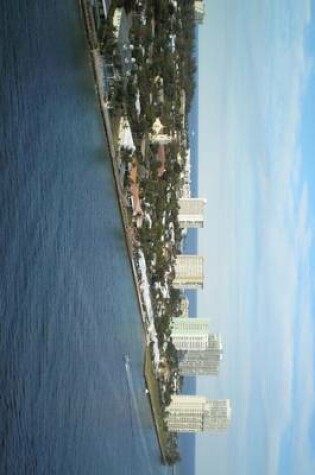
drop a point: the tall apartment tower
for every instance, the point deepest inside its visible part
(199, 11)
(201, 362)
(198, 414)
(188, 272)
(191, 212)
(190, 333)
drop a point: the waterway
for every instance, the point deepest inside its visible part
(68, 308)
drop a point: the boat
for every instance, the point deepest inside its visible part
(127, 360)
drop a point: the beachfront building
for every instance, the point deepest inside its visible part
(199, 7)
(190, 333)
(188, 272)
(191, 212)
(198, 414)
(204, 361)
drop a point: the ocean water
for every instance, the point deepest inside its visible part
(68, 308)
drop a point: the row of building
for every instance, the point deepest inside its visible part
(199, 351)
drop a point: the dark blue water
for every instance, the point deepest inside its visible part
(68, 310)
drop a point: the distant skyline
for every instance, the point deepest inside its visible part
(256, 169)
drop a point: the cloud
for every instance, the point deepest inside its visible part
(286, 366)
(259, 237)
(284, 279)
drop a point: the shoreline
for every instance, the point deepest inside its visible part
(93, 53)
(111, 149)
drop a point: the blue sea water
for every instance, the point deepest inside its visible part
(68, 308)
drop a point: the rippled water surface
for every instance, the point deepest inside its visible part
(68, 404)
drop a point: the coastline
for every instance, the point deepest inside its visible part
(147, 366)
(109, 136)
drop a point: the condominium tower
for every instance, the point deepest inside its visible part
(188, 272)
(200, 362)
(190, 333)
(191, 212)
(198, 414)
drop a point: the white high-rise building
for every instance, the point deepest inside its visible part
(199, 362)
(199, 11)
(188, 272)
(198, 414)
(191, 212)
(190, 333)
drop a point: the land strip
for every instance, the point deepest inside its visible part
(163, 182)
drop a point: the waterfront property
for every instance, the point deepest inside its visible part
(188, 272)
(202, 362)
(190, 333)
(198, 414)
(191, 212)
(151, 162)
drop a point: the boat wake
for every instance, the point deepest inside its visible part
(134, 410)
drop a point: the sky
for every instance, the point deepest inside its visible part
(257, 170)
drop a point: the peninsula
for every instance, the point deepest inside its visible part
(142, 54)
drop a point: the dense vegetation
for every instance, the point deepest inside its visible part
(162, 81)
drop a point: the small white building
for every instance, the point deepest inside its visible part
(157, 136)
